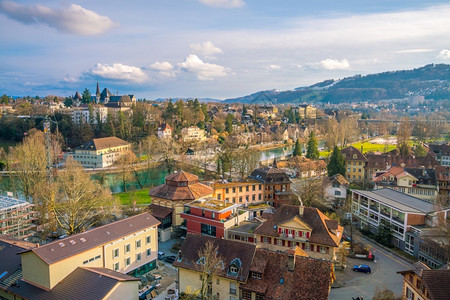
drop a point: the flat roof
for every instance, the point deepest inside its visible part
(400, 201)
(9, 202)
(245, 227)
(212, 204)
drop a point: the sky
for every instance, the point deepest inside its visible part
(211, 48)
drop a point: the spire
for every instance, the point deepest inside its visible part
(274, 164)
(98, 90)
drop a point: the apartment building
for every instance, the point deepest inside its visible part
(240, 192)
(16, 217)
(355, 162)
(306, 111)
(405, 214)
(84, 115)
(442, 153)
(193, 134)
(304, 227)
(277, 185)
(101, 152)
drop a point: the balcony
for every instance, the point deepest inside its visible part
(386, 213)
(398, 219)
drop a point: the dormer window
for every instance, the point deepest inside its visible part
(256, 275)
(201, 261)
(235, 265)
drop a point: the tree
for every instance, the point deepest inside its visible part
(4, 99)
(75, 201)
(336, 165)
(310, 192)
(420, 151)
(385, 294)
(229, 123)
(86, 98)
(384, 235)
(297, 149)
(209, 263)
(312, 150)
(126, 164)
(245, 161)
(403, 136)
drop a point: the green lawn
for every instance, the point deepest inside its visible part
(367, 147)
(140, 196)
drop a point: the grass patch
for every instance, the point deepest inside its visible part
(369, 147)
(128, 198)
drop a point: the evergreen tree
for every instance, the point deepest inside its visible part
(244, 110)
(86, 96)
(229, 123)
(337, 163)
(297, 149)
(312, 149)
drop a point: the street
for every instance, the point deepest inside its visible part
(384, 272)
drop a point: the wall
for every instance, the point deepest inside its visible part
(239, 196)
(415, 219)
(35, 269)
(124, 290)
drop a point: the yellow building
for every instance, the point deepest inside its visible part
(307, 111)
(355, 163)
(243, 192)
(193, 133)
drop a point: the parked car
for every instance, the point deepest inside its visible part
(362, 268)
(161, 255)
(170, 259)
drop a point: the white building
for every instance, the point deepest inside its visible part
(164, 131)
(193, 133)
(81, 114)
(335, 188)
(16, 217)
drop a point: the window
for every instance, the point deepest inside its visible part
(149, 252)
(253, 188)
(226, 191)
(409, 294)
(246, 295)
(279, 242)
(260, 187)
(256, 275)
(127, 248)
(219, 196)
(138, 244)
(253, 197)
(115, 253)
(127, 261)
(323, 250)
(246, 188)
(148, 239)
(337, 193)
(259, 197)
(138, 257)
(240, 199)
(234, 190)
(308, 246)
(116, 266)
(233, 288)
(240, 189)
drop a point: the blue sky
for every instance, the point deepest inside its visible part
(211, 48)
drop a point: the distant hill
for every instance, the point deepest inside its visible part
(174, 99)
(431, 81)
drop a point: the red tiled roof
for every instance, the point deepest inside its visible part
(442, 173)
(383, 161)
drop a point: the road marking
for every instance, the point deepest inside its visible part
(394, 259)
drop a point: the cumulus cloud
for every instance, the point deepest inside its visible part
(119, 71)
(445, 54)
(334, 64)
(224, 3)
(165, 68)
(273, 67)
(204, 71)
(206, 48)
(73, 19)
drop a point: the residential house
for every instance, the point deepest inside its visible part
(355, 162)
(226, 279)
(335, 189)
(442, 152)
(101, 152)
(164, 131)
(303, 167)
(277, 184)
(243, 192)
(16, 217)
(420, 282)
(443, 180)
(404, 214)
(306, 111)
(179, 189)
(193, 134)
(305, 227)
(244, 231)
(208, 216)
(83, 115)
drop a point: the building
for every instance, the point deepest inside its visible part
(208, 216)
(193, 134)
(100, 153)
(442, 153)
(355, 163)
(306, 111)
(164, 216)
(305, 227)
(16, 217)
(180, 188)
(404, 214)
(335, 189)
(164, 131)
(235, 267)
(277, 184)
(432, 244)
(422, 283)
(242, 192)
(443, 180)
(82, 114)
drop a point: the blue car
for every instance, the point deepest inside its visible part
(362, 268)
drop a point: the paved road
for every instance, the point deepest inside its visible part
(384, 272)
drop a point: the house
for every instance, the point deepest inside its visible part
(83, 115)
(305, 227)
(164, 131)
(101, 152)
(404, 214)
(242, 192)
(420, 282)
(306, 111)
(179, 189)
(208, 216)
(442, 152)
(16, 217)
(193, 134)
(233, 271)
(164, 216)
(335, 189)
(277, 184)
(304, 167)
(355, 163)
(443, 180)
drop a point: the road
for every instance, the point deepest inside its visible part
(384, 272)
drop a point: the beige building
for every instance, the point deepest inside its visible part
(193, 133)
(100, 153)
(81, 114)
(355, 163)
(306, 111)
(243, 192)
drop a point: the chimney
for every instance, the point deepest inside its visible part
(291, 262)
(37, 245)
(301, 208)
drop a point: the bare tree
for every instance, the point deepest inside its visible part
(209, 264)
(385, 294)
(310, 192)
(126, 164)
(246, 161)
(403, 136)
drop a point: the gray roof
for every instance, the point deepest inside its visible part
(245, 227)
(400, 201)
(10, 203)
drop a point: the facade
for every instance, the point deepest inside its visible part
(443, 181)
(442, 154)
(100, 153)
(193, 134)
(164, 131)
(180, 188)
(241, 192)
(16, 217)
(403, 213)
(422, 283)
(81, 114)
(335, 189)
(304, 227)
(307, 111)
(355, 163)
(277, 185)
(164, 216)
(208, 216)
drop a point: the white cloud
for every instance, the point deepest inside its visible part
(334, 64)
(73, 19)
(273, 67)
(165, 68)
(206, 48)
(224, 3)
(204, 71)
(414, 51)
(445, 54)
(119, 71)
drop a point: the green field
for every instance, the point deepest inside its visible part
(140, 196)
(367, 147)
